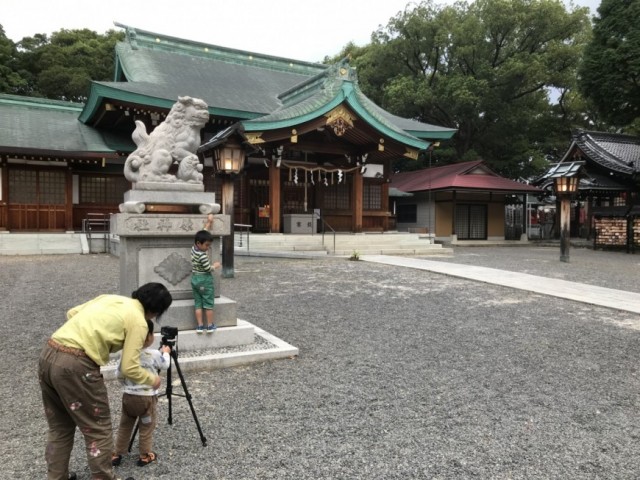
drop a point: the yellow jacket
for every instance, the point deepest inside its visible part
(108, 324)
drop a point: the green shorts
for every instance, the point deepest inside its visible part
(203, 294)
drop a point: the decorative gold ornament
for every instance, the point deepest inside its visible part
(254, 138)
(411, 153)
(340, 120)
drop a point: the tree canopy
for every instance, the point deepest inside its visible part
(58, 67)
(486, 68)
(610, 73)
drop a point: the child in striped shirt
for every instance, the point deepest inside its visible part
(202, 280)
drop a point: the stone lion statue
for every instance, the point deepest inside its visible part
(189, 169)
(174, 141)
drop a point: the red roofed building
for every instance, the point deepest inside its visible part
(462, 201)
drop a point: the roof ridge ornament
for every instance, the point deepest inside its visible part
(131, 37)
(342, 70)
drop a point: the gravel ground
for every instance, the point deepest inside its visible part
(401, 373)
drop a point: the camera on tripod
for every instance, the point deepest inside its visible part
(169, 335)
(169, 339)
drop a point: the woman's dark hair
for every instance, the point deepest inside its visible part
(151, 327)
(154, 297)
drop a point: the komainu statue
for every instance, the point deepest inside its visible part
(174, 141)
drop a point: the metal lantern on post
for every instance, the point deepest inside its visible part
(228, 148)
(229, 158)
(565, 184)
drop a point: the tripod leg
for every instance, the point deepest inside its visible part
(188, 397)
(133, 435)
(169, 390)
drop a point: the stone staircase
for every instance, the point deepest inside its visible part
(42, 243)
(345, 244)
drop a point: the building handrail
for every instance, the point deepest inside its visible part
(325, 224)
(241, 226)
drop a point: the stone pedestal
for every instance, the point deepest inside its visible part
(137, 201)
(157, 248)
(299, 223)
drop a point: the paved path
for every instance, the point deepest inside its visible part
(580, 292)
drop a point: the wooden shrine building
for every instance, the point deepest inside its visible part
(319, 144)
(607, 206)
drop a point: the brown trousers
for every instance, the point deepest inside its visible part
(136, 407)
(74, 395)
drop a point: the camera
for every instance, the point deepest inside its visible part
(169, 335)
(169, 332)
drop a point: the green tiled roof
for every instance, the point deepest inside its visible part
(238, 84)
(51, 125)
(234, 83)
(321, 94)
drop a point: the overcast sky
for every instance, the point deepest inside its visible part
(297, 29)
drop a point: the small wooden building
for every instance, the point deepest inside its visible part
(321, 146)
(461, 201)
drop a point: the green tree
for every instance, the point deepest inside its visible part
(63, 65)
(485, 68)
(10, 79)
(610, 73)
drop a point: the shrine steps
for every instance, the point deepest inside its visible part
(345, 244)
(42, 243)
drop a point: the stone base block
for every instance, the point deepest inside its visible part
(181, 314)
(189, 340)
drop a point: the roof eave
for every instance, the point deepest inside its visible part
(99, 92)
(432, 135)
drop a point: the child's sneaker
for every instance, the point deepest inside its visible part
(199, 329)
(211, 328)
(146, 459)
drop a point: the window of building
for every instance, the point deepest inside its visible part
(337, 197)
(36, 187)
(407, 213)
(103, 190)
(52, 187)
(23, 186)
(372, 197)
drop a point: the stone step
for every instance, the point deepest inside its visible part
(41, 243)
(346, 244)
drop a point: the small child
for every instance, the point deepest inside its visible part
(201, 278)
(139, 403)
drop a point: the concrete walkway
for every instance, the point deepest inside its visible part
(579, 292)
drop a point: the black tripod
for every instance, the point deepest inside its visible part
(169, 391)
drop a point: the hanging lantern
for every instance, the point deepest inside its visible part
(229, 158)
(566, 185)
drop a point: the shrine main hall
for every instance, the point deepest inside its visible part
(315, 144)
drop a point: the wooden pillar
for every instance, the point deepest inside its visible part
(68, 214)
(453, 213)
(228, 240)
(4, 195)
(588, 216)
(274, 198)
(356, 190)
(565, 226)
(385, 206)
(525, 215)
